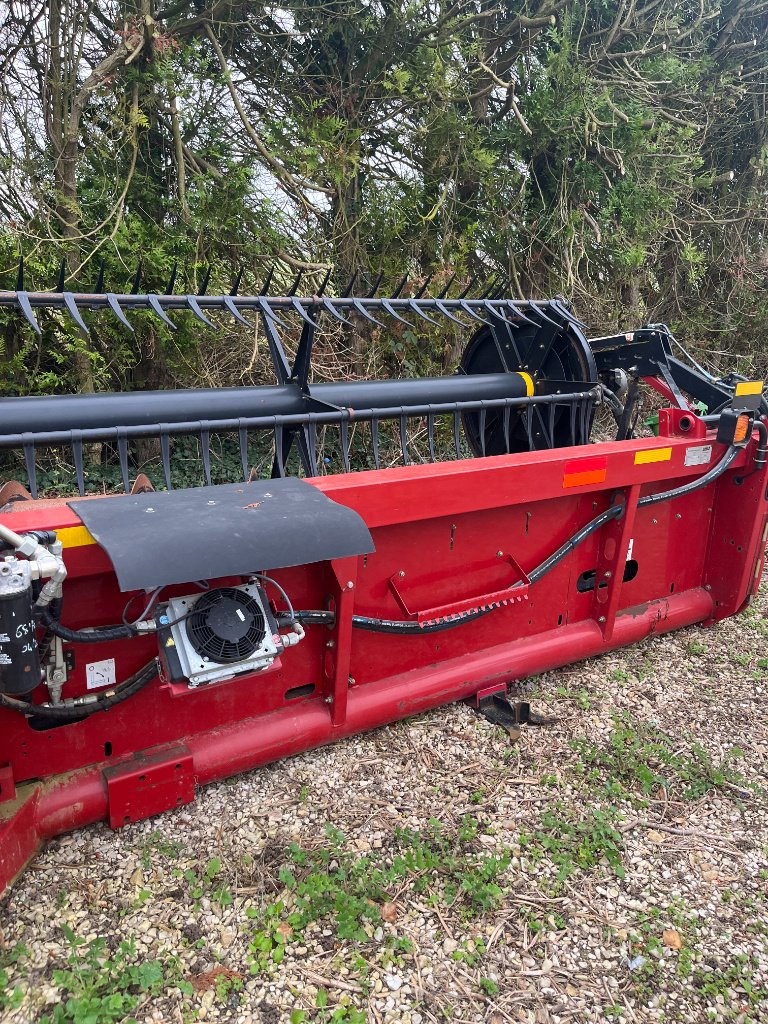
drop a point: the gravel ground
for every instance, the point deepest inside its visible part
(610, 865)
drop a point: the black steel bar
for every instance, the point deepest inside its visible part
(331, 416)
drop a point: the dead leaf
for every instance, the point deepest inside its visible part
(656, 837)
(495, 1018)
(207, 980)
(389, 912)
(284, 929)
(672, 938)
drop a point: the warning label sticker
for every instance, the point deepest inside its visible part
(100, 673)
(698, 456)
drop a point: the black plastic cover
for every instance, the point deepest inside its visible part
(202, 533)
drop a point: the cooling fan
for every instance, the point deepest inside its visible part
(218, 634)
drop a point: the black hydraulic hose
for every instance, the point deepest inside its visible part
(573, 542)
(541, 570)
(694, 485)
(96, 635)
(70, 712)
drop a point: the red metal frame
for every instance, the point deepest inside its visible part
(458, 532)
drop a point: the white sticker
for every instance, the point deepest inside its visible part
(630, 548)
(699, 456)
(100, 673)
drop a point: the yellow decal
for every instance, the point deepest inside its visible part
(653, 455)
(529, 383)
(74, 537)
(749, 387)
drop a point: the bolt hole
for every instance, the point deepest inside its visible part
(686, 423)
(142, 778)
(107, 749)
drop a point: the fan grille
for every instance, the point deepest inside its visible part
(226, 625)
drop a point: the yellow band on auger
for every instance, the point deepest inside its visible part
(529, 389)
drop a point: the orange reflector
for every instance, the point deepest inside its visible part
(741, 429)
(578, 472)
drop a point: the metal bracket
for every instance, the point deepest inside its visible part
(149, 784)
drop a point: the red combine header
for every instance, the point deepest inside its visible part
(154, 641)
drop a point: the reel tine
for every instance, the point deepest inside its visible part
(236, 283)
(171, 280)
(158, 309)
(311, 435)
(136, 280)
(561, 307)
(489, 287)
(468, 289)
(77, 452)
(450, 315)
(376, 284)
(529, 426)
(330, 308)
(266, 309)
(296, 283)
(74, 312)
(62, 278)
(206, 278)
(375, 442)
(506, 418)
(99, 286)
(483, 419)
(392, 312)
(539, 312)
(344, 438)
(29, 461)
(368, 316)
(551, 424)
(401, 285)
(242, 441)
(122, 452)
(165, 454)
(229, 304)
(573, 422)
(26, 308)
(424, 287)
(584, 421)
(267, 280)
(457, 433)
(500, 288)
(470, 312)
(404, 439)
(300, 310)
(431, 435)
(324, 282)
(279, 453)
(519, 313)
(348, 290)
(205, 446)
(114, 305)
(194, 305)
(447, 288)
(414, 306)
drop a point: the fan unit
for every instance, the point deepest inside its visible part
(221, 633)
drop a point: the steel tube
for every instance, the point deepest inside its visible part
(49, 413)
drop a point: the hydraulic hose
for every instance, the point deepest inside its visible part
(95, 635)
(614, 512)
(70, 712)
